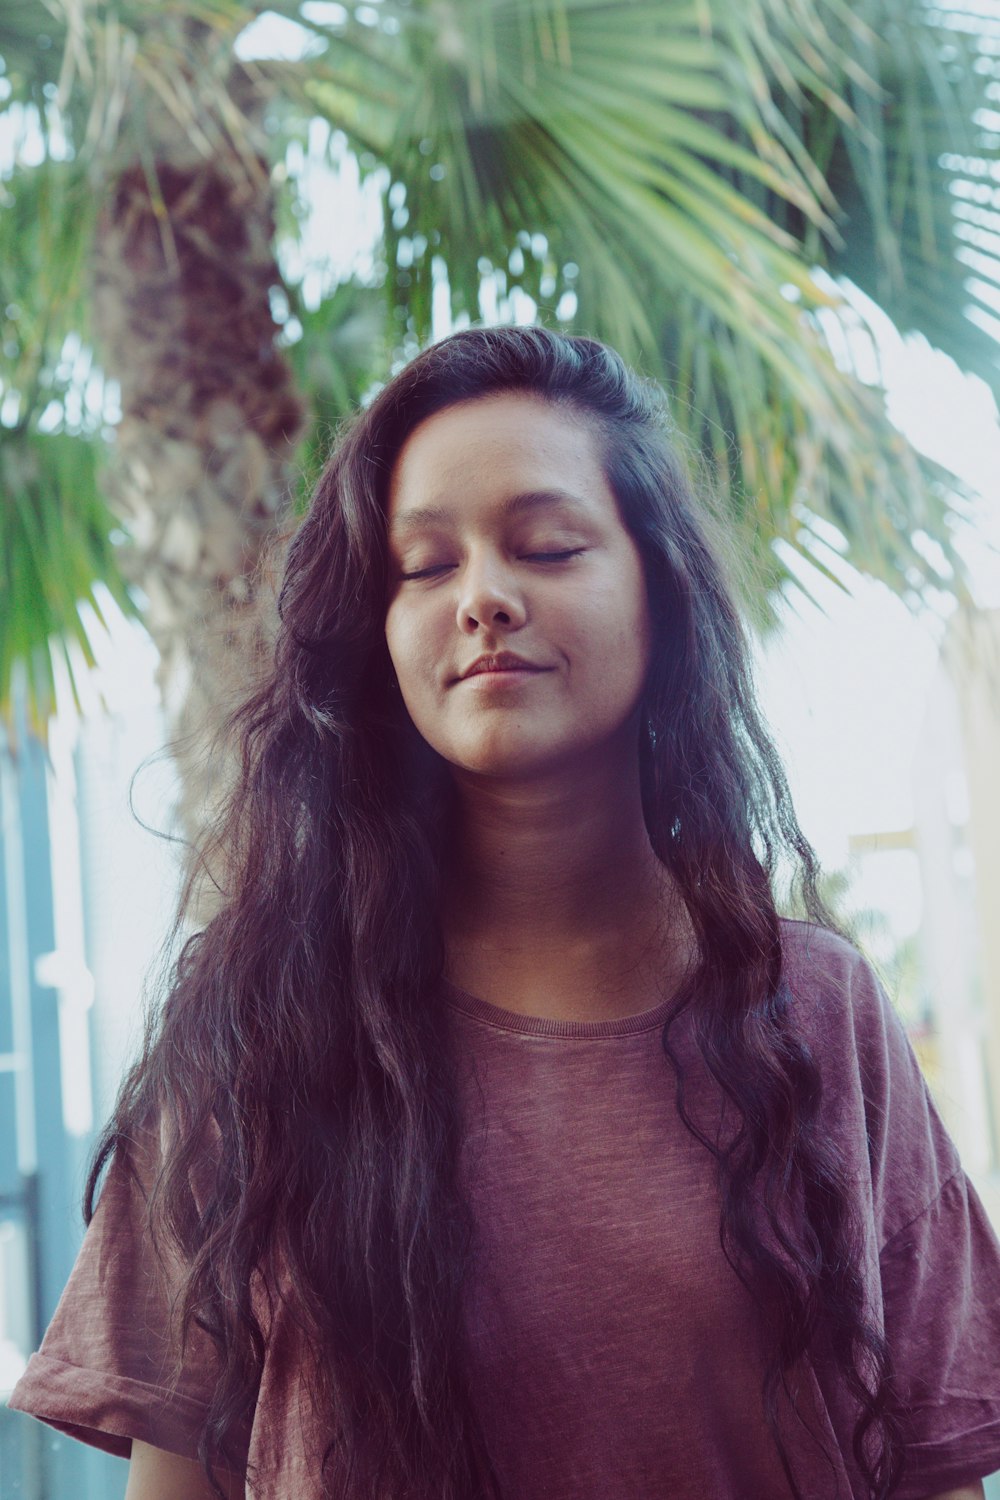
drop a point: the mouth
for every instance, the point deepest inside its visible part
(500, 675)
(503, 664)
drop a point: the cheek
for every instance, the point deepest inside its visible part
(409, 638)
(642, 635)
(639, 623)
(631, 655)
(392, 637)
(400, 633)
(620, 636)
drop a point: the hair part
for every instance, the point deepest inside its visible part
(300, 1036)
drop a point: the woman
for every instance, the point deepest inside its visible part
(497, 1138)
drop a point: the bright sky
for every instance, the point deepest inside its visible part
(846, 687)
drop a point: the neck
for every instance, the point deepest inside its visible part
(551, 856)
(555, 900)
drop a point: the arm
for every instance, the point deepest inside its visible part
(156, 1475)
(967, 1492)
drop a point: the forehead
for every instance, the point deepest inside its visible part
(487, 450)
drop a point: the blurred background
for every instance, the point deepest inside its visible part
(222, 226)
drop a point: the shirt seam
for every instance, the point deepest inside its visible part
(514, 1028)
(146, 1385)
(958, 1172)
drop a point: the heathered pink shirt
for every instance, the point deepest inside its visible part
(614, 1350)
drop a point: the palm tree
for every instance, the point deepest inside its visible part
(690, 179)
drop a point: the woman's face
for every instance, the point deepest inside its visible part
(518, 621)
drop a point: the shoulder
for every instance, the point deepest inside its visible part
(875, 1102)
(841, 1009)
(147, 1159)
(814, 954)
(835, 992)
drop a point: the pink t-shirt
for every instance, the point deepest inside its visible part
(614, 1351)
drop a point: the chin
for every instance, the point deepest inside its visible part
(496, 765)
(506, 756)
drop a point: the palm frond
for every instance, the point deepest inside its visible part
(46, 216)
(916, 182)
(343, 349)
(56, 547)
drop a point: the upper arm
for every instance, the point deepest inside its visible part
(155, 1474)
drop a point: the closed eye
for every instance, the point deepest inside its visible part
(553, 556)
(430, 572)
(539, 557)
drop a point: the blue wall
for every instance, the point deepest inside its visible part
(42, 1163)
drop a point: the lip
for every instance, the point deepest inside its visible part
(502, 662)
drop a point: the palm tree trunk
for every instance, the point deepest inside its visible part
(184, 271)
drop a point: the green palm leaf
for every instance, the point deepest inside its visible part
(55, 543)
(915, 180)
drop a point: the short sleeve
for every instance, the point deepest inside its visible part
(934, 1257)
(109, 1368)
(941, 1291)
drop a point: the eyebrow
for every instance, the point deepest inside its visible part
(516, 505)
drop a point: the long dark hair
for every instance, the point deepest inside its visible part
(300, 1039)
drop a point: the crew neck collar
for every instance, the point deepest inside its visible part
(510, 1020)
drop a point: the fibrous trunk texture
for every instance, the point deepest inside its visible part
(184, 274)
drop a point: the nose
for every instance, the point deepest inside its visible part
(489, 596)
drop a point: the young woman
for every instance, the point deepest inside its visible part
(497, 1139)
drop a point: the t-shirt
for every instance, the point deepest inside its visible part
(614, 1351)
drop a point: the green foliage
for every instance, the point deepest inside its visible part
(46, 219)
(685, 178)
(55, 542)
(913, 172)
(338, 357)
(55, 526)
